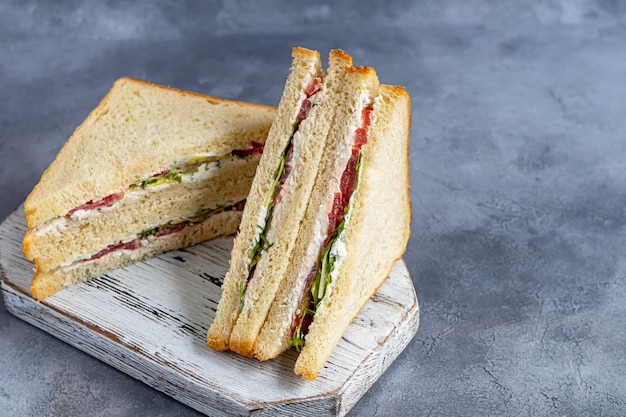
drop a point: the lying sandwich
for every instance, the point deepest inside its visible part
(343, 217)
(151, 169)
(278, 199)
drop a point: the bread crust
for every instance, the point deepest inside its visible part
(209, 99)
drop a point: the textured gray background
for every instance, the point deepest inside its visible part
(518, 181)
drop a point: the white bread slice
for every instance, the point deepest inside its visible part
(359, 88)
(46, 283)
(236, 330)
(377, 230)
(137, 130)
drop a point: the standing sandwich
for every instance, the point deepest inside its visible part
(278, 199)
(350, 220)
(356, 226)
(313, 249)
(151, 169)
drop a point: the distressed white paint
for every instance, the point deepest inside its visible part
(150, 320)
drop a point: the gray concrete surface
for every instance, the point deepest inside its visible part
(518, 181)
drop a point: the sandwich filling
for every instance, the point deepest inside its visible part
(165, 229)
(196, 168)
(277, 188)
(148, 235)
(332, 249)
(180, 171)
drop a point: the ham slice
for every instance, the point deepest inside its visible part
(95, 204)
(162, 231)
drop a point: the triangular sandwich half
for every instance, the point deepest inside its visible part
(278, 199)
(356, 226)
(151, 169)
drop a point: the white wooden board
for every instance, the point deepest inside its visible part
(150, 320)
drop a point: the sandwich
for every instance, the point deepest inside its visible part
(336, 224)
(151, 169)
(278, 199)
(356, 226)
